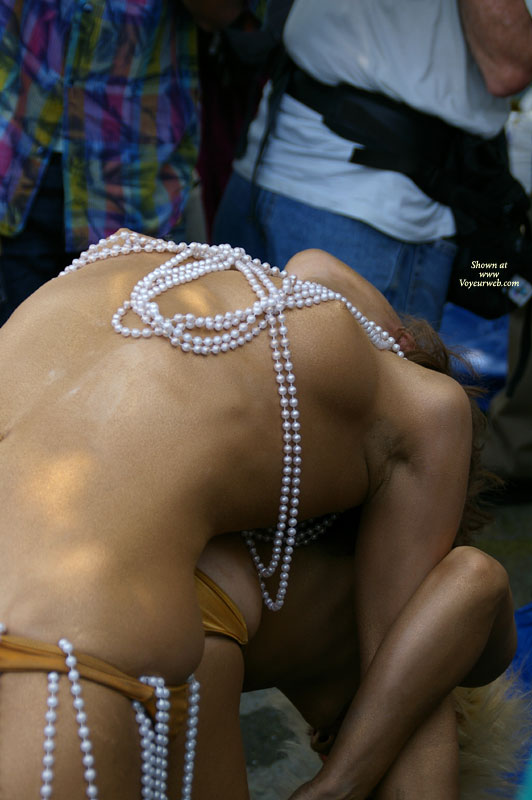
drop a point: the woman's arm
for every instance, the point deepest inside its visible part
(407, 528)
(458, 628)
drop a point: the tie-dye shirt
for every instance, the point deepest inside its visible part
(114, 84)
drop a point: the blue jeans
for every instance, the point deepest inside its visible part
(38, 253)
(413, 277)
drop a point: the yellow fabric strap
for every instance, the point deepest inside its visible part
(220, 616)
(18, 654)
(219, 613)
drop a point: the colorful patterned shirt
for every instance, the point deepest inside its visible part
(114, 84)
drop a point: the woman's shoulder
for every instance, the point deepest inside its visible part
(431, 411)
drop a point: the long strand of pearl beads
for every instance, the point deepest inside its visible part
(155, 744)
(308, 530)
(237, 328)
(147, 751)
(81, 717)
(47, 774)
(162, 706)
(191, 733)
(289, 501)
(119, 244)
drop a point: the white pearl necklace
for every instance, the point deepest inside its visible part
(308, 530)
(81, 717)
(224, 332)
(154, 736)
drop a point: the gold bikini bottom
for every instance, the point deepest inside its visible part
(220, 617)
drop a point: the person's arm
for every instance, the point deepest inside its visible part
(457, 629)
(408, 527)
(213, 15)
(499, 33)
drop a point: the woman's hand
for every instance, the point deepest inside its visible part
(312, 791)
(322, 788)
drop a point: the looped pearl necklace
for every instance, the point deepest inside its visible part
(224, 332)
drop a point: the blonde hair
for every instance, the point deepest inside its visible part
(494, 734)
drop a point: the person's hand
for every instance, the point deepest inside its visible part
(312, 791)
(321, 787)
(322, 739)
(309, 792)
(318, 789)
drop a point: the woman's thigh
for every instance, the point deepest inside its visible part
(113, 736)
(220, 768)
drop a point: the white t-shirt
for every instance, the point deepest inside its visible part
(413, 51)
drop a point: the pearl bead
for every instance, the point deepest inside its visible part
(240, 327)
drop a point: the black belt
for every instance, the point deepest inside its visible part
(372, 119)
(462, 170)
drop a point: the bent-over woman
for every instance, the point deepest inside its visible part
(152, 398)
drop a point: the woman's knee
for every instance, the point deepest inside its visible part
(483, 573)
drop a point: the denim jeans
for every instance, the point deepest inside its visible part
(37, 254)
(272, 227)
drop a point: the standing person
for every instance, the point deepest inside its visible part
(98, 126)
(159, 395)
(364, 69)
(508, 450)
